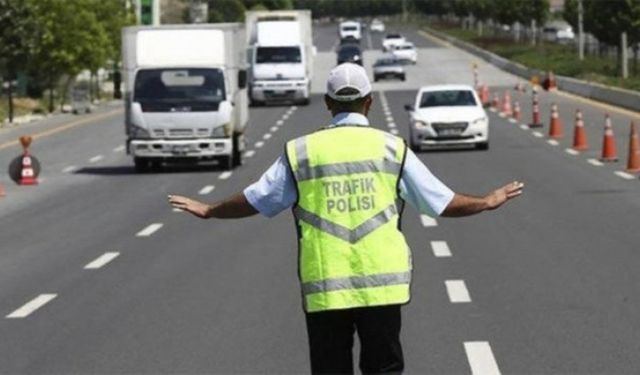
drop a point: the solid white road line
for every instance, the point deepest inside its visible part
(96, 159)
(259, 144)
(119, 148)
(537, 134)
(274, 129)
(428, 221)
(267, 136)
(440, 249)
(206, 190)
(625, 175)
(571, 151)
(31, 306)
(457, 291)
(481, 358)
(249, 153)
(70, 169)
(148, 231)
(524, 127)
(225, 175)
(595, 162)
(101, 261)
(553, 142)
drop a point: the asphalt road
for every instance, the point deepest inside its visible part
(547, 285)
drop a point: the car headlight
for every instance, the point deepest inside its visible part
(479, 121)
(420, 124)
(222, 131)
(137, 132)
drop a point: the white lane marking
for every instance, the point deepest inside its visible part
(101, 260)
(206, 190)
(481, 359)
(259, 144)
(119, 148)
(387, 112)
(148, 231)
(625, 175)
(428, 221)
(595, 162)
(524, 127)
(285, 116)
(177, 210)
(553, 142)
(70, 169)
(267, 136)
(96, 159)
(225, 175)
(492, 109)
(279, 123)
(537, 134)
(457, 291)
(512, 120)
(293, 108)
(389, 119)
(274, 129)
(249, 153)
(31, 306)
(440, 249)
(571, 151)
(502, 114)
(393, 131)
(391, 124)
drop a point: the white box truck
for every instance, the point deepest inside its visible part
(185, 94)
(281, 55)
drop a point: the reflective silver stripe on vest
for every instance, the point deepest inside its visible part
(391, 147)
(344, 233)
(339, 169)
(301, 153)
(356, 282)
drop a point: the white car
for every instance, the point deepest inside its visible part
(390, 41)
(350, 30)
(447, 116)
(405, 52)
(377, 25)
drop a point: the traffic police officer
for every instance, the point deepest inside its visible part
(347, 183)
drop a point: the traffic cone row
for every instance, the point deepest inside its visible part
(485, 99)
(506, 104)
(535, 113)
(516, 111)
(633, 162)
(555, 126)
(609, 149)
(495, 104)
(579, 133)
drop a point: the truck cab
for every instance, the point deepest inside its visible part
(350, 31)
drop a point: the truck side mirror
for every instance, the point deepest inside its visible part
(408, 107)
(242, 79)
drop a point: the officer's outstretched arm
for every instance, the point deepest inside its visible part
(233, 207)
(465, 205)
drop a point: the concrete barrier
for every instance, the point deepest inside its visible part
(612, 95)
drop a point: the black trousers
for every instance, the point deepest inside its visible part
(331, 340)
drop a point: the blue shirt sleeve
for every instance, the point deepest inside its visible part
(420, 188)
(275, 191)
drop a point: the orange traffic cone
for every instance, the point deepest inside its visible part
(495, 104)
(516, 111)
(506, 104)
(484, 96)
(535, 113)
(550, 83)
(555, 128)
(27, 173)
(579, 133)
(609, 152)
(633, 163)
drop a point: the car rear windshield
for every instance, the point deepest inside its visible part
(448, 98)
(386, 62)
(275, 55)
(394, 36)
(349, 28)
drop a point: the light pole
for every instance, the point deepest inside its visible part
(580, 31)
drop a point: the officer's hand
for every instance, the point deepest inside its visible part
(194, 207)
(498, 197)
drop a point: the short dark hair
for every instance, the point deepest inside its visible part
(356, 105)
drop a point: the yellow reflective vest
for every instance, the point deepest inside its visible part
(351, 251)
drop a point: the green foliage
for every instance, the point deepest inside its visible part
(16, 36)
(226, 11)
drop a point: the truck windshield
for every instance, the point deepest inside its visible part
(278, 55)
(179, 90)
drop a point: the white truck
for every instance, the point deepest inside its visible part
(350, 31)
(281, 55)
(185, 94)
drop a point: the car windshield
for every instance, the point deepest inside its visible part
(349, 28)
(405, 47)
(349, 51)
(186, 90)
(386, 62)
(448, 98)
(276, 55)
(393, 36)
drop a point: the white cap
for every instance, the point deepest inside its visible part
(348, 75)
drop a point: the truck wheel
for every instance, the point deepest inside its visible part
(236, 154)
(305, 101)
(142, 165)
(226, 163)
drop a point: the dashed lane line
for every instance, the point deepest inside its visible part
(96, 159)
(259, 144)
(393, 131)
(102, 260)
(537, 134)
(457, 291)
(391, 124)
(225, 175)
(31, 306)
(148, 231)
(625, 175)
(553, 142)
(524, 127)
(389, 119)
(428, 221)
(513, 121)
(249, 153)
(571, 151)
(481, 359)
(279, 123)
(440, 249)
(206, 190)
(119, 148)
(267, 136)
(595, 162)
(274, 129)
(70, 169)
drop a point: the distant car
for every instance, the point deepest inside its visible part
(446, 116)
(558, 33)
(377, 25)
(350, 30)
(80, 101)
(391, 40)
(406, 52)
(388, 67)
(349, 53)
